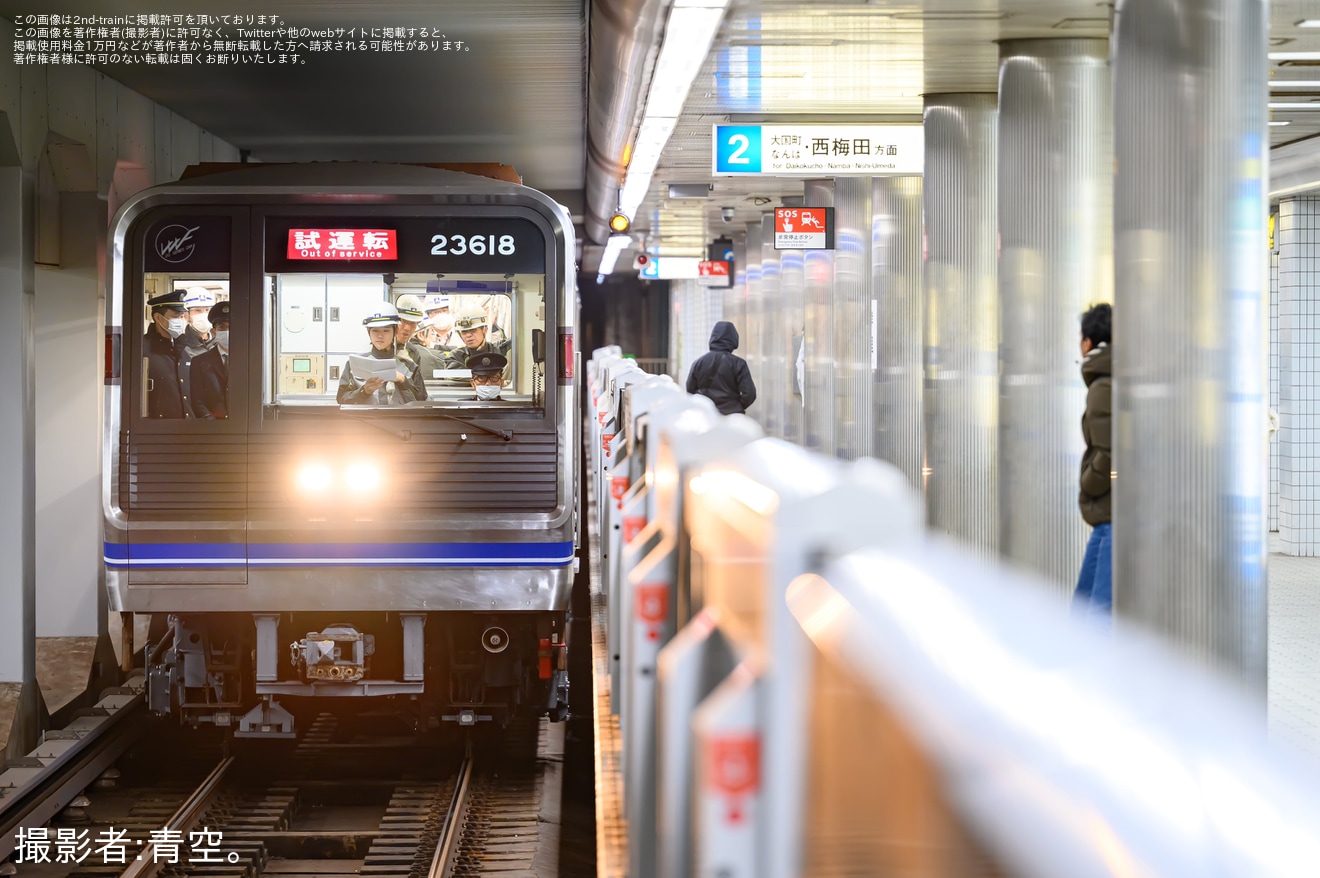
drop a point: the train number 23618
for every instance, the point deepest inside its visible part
(477, 245)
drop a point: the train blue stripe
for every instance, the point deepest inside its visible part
(338, 554)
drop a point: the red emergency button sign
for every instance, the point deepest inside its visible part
(804, 228)
(343, 244)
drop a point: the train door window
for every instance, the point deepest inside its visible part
(192, 328)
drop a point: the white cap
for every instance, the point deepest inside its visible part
(435, 303)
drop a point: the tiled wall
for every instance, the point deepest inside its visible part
(1299, 376)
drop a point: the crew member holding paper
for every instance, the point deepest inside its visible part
(382, 378)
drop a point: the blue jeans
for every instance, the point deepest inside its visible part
(1095, 585)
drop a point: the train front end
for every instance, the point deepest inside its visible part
(304, 539)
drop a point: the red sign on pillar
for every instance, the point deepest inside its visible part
(735, 771)
(618, 487)
(652, 603)
(804, 228)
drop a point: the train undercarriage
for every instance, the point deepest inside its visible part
(255, 672)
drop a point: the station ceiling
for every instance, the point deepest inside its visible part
(518, 95)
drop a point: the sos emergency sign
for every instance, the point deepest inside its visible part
(804, 228)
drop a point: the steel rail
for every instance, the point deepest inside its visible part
(446, 847)
(56, 780)
(146, 866)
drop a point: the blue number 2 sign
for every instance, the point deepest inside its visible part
(737, 149)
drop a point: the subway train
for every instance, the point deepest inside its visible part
(398, 552)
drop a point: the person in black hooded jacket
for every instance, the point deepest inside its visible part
(720, 375)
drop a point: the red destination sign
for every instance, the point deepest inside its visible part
(343, 244)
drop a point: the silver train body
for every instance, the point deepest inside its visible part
(301, 553)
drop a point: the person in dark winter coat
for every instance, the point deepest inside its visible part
(210, 371)
(721, 376)
(166, 397)
(1095, 582)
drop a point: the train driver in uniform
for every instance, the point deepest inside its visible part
(210, 370)
(487, 375)
(406, 385)
(161, 348)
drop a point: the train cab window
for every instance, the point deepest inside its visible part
(186, 346)
(320, 325)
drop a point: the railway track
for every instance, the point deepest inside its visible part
(343, 800)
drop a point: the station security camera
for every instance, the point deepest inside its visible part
(726, 214)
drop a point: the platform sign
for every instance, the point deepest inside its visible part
(713, 273)
(816, 150)
(804, 228)
(651, 270)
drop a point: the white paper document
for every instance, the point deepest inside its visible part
(370, 367)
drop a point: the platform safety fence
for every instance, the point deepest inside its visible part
(808, 682)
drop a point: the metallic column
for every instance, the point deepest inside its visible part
(18, 576)
(962, 318)
(770, 389)
(818, 394)
(749, 335)
(853, 323)
(896, 293)
(1056, 259)
(792, 292)
(1189, 430)
(1299, 333)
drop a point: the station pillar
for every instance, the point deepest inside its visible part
(1299, 331)
(818, 389)
(20, 700)
(1056, 259)
(962, 318)
(1190, 424)
(854, 387)
(775, 340)
(896, 291)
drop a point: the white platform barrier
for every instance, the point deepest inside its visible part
(808, 683)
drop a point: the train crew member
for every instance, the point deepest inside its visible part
(161, 347)
(199, 301)
(210, 370)
(410, 346)
(443, 337)
(407, 385)
(472, 327)
(487, 375)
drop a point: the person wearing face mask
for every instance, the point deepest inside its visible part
(443, 337)
(487, 376)
(210, 370)
(407, 384)
(166, 395)
(198, 336)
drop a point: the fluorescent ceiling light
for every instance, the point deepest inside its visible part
(1295, 83)
(651, 140)
(1310, 22)
(1295, 56)
(613, 247)
(689, 33)
(1276, 124)
(1313, 105)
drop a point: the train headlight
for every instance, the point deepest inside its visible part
(362, 477)
(314, 478)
